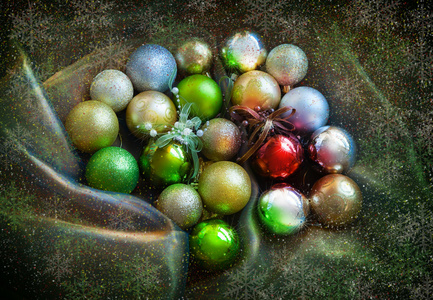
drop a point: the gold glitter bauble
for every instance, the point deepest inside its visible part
(221, 139)
(335, 199)
(256, 89)
(150, 110)
(92, 125)
(225, 187)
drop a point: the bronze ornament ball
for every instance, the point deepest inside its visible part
(92, 125)
(336, 200)
(225, 187)
(193, 57)
(221, 139)
(256, 89)
(181, 203)
(150, 110)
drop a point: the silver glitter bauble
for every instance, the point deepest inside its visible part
(150, 67)
(112, 87)
(287, 63)
(333, 149)
(312, 109)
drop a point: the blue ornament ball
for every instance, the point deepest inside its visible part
(312, 109)
(150, 67)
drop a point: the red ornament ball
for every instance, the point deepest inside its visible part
(279, 157)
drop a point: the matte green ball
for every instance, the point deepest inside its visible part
(181, 203)
(214, 244)
(204, 92)
(167, 165)
(112, 169)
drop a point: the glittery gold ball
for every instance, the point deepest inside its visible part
(335, 199)
(221, 139)
(256, 89)
(225, 187)
(92, 125)
(181, 203)
(150, 110)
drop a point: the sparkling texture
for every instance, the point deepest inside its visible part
(287, 63)
(224, 187)
(150, 108)
(92, 125)
(221, 139)
(204, 93)
(312, 109)
(283, 209)
(112, 87)
(256, 88)
(112, 169)
(336, 200)
(333, 149)
(181, 203)
(243, 51)
(150, 67)
(279, 157)
(193, 57)
(167, 165)
(214, 244)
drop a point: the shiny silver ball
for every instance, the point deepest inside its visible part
(333, 149)
(243, 51)
(312, 109)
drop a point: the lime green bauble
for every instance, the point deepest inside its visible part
(204, 92)
(167, 165)
(112, 169)
(214, 244)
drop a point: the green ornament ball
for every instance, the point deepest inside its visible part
(112, 169)
(181, 203)
(204, 93)
(214, 244)
(167, 165)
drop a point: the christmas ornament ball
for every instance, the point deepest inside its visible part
(193, 57)
(224, 187)
(204, 93)
(279, 157)
(243, 51)
(283, 209)
(333, 149)
(150, 110)
(92, 125)
(112, 87)
(214, 244)
(221, 139)
(112, 169)
(150, 67)
(181, 203)
(256, 89)
(336, 200)
(287, 63)
(167, 165)
(312, 109)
